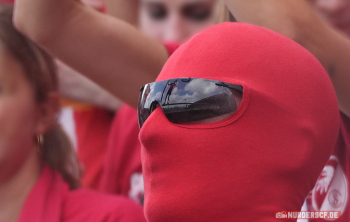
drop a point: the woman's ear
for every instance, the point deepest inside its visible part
(47, 113)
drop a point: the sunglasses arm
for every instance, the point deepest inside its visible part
(231, 86)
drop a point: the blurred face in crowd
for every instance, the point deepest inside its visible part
(21, 117)
(335, 12)
(175, 21)
(17, 112)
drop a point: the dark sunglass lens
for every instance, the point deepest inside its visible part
(207, 108)
(197, 12)
(157, 11)
(149, 100)
(143, 108)
(198, 100)
(189, 101)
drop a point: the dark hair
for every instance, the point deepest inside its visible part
(41, 72)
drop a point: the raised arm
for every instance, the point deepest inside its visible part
(126, 10)
(74, 85)
(295, 19)
(109, 51)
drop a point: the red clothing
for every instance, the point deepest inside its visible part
(265, 157)
(50, 200)
(8, 1)
(123, 160)
(331, 192)
(88, 128)
(122, 173)
(92, 127)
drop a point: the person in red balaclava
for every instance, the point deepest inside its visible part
(263, 158)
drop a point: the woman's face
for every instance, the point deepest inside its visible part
(18, 115)
(336, 12)
(175, 21)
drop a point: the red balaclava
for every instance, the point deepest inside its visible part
(267, 156)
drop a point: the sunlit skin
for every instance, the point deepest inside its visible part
(164, 20)
(335, 12)
(21, 119)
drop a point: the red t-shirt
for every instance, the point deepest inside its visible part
(88, 128)
(8, 1)
(92, 127)
(331, 192)
(122, 172)
(51, 200)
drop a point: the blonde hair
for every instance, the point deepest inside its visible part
(223, 14)
(41, 72)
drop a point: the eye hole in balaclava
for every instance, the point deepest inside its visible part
(190, 100)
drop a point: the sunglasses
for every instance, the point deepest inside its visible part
(196, 11)
(187, 100)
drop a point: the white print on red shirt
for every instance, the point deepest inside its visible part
(137, 189)
(331, 189)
